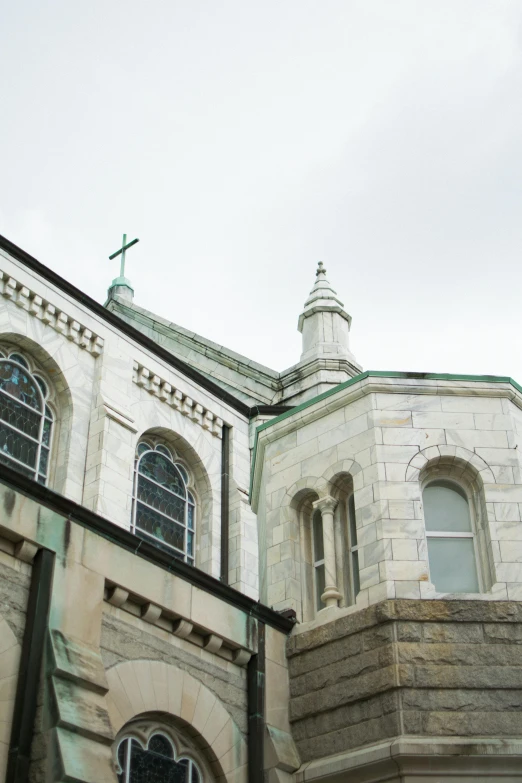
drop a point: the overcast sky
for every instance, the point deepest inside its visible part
(242, 141)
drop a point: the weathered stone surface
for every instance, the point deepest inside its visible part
(14, 591)
(341, 671)
(121, 641)
(421, 668)
(75, 660)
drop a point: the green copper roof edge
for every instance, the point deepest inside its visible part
(421, 376)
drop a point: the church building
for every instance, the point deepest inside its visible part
(213, 572)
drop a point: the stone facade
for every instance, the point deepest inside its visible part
(387, 435)
(384, 677)
(426, 669)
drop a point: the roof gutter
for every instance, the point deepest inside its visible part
(142, 548)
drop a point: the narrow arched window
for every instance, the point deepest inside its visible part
(353, 546)
(318, 558)
(164, 508)
(451, 539)
(156, 762)
(26, 420)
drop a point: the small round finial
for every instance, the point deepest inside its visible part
(320, 269)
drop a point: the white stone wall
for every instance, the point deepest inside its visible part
(110, 392)
(386, 433)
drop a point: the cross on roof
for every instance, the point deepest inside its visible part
(125, 246)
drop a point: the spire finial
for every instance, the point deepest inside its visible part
(320, 269)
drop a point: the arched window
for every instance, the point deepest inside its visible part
(318, 558)
(451, 538)
(354, 585)
(26, 419)
(164, 508)
(156, 761)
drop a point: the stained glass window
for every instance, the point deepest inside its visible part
(26, 420)
(155, 763)
(164, 509)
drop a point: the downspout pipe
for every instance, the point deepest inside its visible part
(256, 671)
(225, 503)
(35, 634)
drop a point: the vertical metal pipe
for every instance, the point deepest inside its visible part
(256, 710)
(225, 502)
(35, 633)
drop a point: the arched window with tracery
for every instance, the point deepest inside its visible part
(26, 418)
(164, 508)
(155, 761)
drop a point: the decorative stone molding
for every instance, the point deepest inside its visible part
(120, 417)
(165, 688)
(457, 454)
(181, 402)
(25, 551)
(181, 627)
(49, 314)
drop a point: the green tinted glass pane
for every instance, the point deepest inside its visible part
(160, 527)
(355, 568)
(452, 565)
(157, 467)
(20, 416)
(20, 384)
(161, 499)
(317, 531)
(351, 519)
(14, 444)
(445, 510)
(319, 586)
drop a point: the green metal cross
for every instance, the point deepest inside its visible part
(122, 250)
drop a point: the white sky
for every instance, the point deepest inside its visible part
(243, 141)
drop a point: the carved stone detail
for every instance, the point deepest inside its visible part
(46, 312)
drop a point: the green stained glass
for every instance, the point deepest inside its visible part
(16, 357)
(14, 444)
(19, 416)
(155, 764)
(161, 499)
(160, 469)
(160, 527)
(20, 384)
(22, 423)
(41, 384)
(44, 460)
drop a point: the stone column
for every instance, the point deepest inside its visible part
(331, 594)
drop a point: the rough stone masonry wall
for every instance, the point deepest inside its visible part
(15, 578)
(125, 639)
(406, 667)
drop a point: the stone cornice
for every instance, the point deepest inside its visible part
(369, 382)
(164, 391)
(49, 314)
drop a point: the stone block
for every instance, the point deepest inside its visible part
(78, 661)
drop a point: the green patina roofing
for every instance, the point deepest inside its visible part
(421, 376)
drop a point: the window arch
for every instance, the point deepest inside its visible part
(26, 417)
(155, 760)
(164, 508)
(453, 554)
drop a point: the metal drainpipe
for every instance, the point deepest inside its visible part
(256, 709)
(225, 502)
(35, 634)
